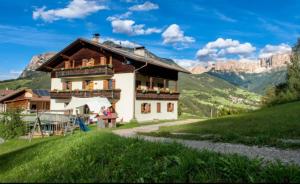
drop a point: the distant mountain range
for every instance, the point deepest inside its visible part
(272, 63)
(252, 76)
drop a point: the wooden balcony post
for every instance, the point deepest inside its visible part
(151, 82)
(110, 60)
(165, 84)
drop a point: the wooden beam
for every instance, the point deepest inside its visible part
(82, 43)
(110, 60)
(151, 82)
(65, 56)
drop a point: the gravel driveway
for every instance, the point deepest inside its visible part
(266, 153)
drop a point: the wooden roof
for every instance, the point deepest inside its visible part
(5, 92)
(23, 90)
(128, 55)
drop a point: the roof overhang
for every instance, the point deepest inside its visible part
(127, 55)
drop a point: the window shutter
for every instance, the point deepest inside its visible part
(70, 85)
(83, 84)
(113, 84)
(67, 64)
(91, 85)
(105, 84)
(158, 108)
(64, 85)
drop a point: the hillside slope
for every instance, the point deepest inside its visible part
(254, 82)
(267, 126)
(203, 92)
(36, 80)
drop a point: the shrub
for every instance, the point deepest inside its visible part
(12, 125)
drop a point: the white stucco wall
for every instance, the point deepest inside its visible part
(98, 84)
(76, 85)
(124, 107)
(56, 84)
(154, 115)
(57, 105)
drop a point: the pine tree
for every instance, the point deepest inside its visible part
(293, 76)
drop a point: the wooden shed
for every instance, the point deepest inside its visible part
(27, 100)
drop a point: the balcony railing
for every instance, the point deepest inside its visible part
(92, 70)
(112, 94)
(156, 95)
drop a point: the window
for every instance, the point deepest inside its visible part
(158, 107)
(146, 108)
(67, 64)
(170, 107)
(67, 85)
(33, 107)
(138, 84)
(109, 84)
(160, 85)
(88, 85)
(148, 85)
(66, 104)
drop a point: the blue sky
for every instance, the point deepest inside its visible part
(189, 31)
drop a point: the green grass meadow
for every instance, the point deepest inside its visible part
(99, 156)
(268, 126)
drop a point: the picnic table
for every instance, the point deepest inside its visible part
(109, 121)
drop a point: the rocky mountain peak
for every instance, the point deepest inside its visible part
(35, 62)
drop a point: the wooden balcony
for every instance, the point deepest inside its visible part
(111, 94)
(84, 71)
(155, 95)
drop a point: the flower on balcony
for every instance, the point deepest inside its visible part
(144, 91)
(158, 91)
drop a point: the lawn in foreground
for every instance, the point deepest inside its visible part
(103, 157)
(269, 126)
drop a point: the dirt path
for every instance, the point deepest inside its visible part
(266, 153)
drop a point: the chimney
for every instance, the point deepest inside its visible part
(96, 38)
(140, 51)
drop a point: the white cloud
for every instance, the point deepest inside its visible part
(147, 6)
(75, 9)
(124, 43)
(270, 50)
(223, 17)
(127, 26)
(222, 43)
(174, 35)
(186, 63)
(224, 49)
(12, 74)
(121, 16)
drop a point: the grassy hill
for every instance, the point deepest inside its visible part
(268, 126)
(201, 93)
(99, 156)
(36, 81)
(255, 82)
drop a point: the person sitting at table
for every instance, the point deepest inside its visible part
(100, 120)
(109, 111)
